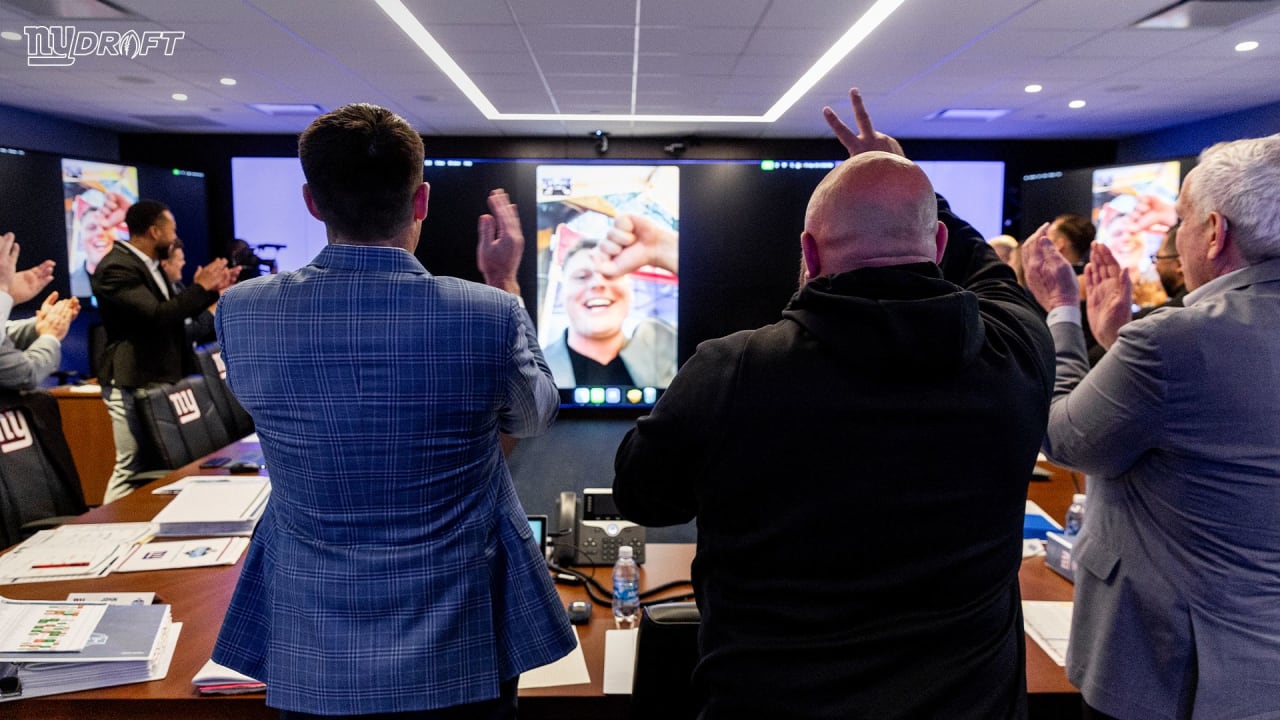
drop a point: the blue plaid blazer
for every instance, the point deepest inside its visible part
(393, 569)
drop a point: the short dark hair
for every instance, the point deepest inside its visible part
(362, 164)
(143, 214)
(1079, 232)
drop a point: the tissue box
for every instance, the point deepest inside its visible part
(1057, 555)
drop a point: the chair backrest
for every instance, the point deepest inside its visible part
(38, 477)
(181, 420)
(666, 652)
(236, 418)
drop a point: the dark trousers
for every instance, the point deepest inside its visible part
(502, 707)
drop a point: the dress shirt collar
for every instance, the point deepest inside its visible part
(1263, 271)
(368, 257)
(153, 265)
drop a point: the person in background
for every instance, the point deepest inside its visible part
(1073, 235)
(1177, 603)
(394, 553)
(1169, 268)
(31, 349)
(200, 328)
(1006, 248)
(242, 255)
(862, 420)
(145, 322)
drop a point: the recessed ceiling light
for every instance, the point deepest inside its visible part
(969, 114)
(179, 96)
(10, 35)
(1247, 45)
(287, 109)
(228, 81)
(1033, 88)
(1076, 104)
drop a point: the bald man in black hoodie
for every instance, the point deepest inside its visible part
(858, 469)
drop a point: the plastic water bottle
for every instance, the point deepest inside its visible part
(626, 589)
(1075, 516)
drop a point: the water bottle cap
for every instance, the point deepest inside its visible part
(625, 552)
(1078, 498)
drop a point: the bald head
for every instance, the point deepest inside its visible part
(874, 209)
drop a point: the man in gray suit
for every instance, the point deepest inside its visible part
(1177, 598)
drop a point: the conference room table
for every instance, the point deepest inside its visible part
(199, 597)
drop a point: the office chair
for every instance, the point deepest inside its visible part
(39, 485)
(236, 418)
(666, 652)
(181, 421)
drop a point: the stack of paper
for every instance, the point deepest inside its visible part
(1048, 622)
(130, 643)
(72, 552)
(215, 509)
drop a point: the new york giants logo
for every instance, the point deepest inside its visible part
(14, 433)
(184, 404)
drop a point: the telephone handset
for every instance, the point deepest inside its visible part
(592, 530)
(565, 546)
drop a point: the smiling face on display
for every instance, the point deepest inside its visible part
(596, 305)
(96, 239)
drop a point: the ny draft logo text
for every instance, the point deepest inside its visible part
(184, 403)
(14, 433)
(60, 45)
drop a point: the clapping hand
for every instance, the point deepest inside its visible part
(1050, 277)
(1108, 292)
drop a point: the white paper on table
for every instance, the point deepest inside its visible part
(71, 552)
(568, 670)
(175, 554)
(1048, 622)
(180, 484)
(251, 438)
(619, 661)
(85, 389)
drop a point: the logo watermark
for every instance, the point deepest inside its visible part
(60, 45)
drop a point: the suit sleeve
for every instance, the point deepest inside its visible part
(1101, 421)
(532, 399)
(1008, 308)
(660, 461)
(126, 288)
(26, 358)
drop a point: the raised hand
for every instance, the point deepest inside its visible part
(54, 317)
(1050, 277)
(8, 262)
(28, 283)
(866, 138)
(216, 276)
(500, 244)
(635, 241)
(1108, 292)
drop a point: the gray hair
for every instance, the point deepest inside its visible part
(1239, 180)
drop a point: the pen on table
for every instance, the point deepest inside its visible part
(46, 566)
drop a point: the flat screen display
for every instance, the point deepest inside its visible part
(1133, 209)
(95, 198)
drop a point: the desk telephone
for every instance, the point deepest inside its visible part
(592, 530)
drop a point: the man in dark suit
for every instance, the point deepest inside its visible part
(144, 318)
(859, 469)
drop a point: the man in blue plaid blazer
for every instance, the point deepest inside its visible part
(393, 570)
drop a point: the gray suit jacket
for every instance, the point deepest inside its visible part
(1177, 598)
(26, 358)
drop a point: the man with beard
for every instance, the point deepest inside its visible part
(145, 322)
